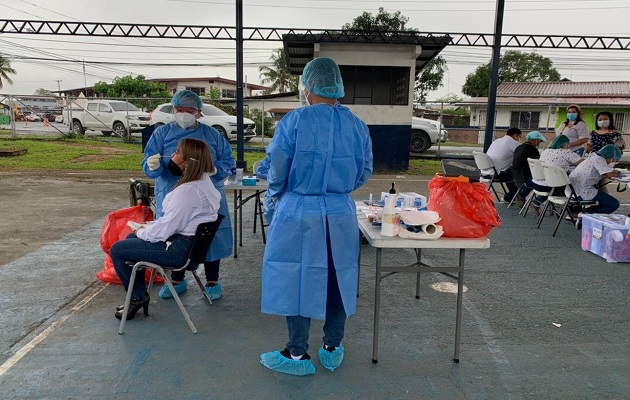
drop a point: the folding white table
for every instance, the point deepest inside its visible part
(239, 201)
(374, 238)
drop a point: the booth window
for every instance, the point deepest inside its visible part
(375, 85)
(525, 119)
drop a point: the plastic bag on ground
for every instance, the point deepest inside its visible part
(115, 228)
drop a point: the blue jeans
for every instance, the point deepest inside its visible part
(607, 203)
(529, 186)
(335, 323)
(133, 250)
(507, 178)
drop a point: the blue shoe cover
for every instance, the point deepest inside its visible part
(277, 362)
(330, 359)
(165, 292)
(214, 292)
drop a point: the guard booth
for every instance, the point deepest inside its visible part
(378, 71)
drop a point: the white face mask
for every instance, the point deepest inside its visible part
(304, 99)
(603, 123)
(185, 120)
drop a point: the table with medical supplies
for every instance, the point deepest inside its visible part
(374, 239)
(239, 201)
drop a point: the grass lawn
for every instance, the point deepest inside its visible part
(96, 154)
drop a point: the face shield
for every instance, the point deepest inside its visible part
(303, 99)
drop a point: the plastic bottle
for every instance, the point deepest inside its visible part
(390, 218)
(392, 190)
(232, 178)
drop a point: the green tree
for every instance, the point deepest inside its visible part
(5, 70)
(43, 92)
(431, 76)
(514, 66)
(278, 76)
(140, 92)
(256, 115)
(383, 21)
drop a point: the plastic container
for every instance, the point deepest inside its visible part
(390, 218)
(606, 235)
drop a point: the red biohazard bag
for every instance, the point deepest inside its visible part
(467, 209)
(114, 229)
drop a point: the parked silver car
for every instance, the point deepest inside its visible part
(211, 116)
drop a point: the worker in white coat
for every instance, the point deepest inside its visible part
(319, 154)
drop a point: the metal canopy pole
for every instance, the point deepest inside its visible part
(240, 151)
(494, 75)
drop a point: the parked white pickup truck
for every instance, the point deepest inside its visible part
(106, 116)
(425, 133)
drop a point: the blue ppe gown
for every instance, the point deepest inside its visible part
(319, 154)
(164, 142)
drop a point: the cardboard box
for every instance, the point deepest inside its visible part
(606, 235)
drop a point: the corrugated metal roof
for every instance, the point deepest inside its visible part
(559, 101)
(565, 89)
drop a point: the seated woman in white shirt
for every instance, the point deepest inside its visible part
(586, 176)
(166, 241)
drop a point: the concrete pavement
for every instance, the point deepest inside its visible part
(542, 320)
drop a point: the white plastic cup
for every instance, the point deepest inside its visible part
(239, 174)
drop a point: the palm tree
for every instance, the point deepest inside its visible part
(5, 70)
(278, 76)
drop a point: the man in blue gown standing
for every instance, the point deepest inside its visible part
(319, 154)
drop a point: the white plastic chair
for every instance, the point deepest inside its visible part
(556, 177)
(483, 161)
(535, 166)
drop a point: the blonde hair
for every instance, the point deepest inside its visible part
(197, 153)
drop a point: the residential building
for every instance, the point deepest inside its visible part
(203, 86)
(542, 105)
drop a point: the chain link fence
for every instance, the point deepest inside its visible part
(463, 121)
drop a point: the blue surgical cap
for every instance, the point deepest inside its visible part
(186, 98)
(558, 142)
(610, 151)
(322, 77)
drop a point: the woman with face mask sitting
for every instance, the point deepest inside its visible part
(604, 133)
(586, 176)
(167, 240)
(575, 128)
(158, 165)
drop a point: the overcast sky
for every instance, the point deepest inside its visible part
(554, 17)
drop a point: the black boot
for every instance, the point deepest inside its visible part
(134, 306)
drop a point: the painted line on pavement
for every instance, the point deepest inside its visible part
(43, 335)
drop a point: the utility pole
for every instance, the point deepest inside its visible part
(58, 85)
(494, 74)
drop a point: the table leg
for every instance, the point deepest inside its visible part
(235, 225)
(418, 260)
(377, 306)
(359, 265)
(240, 217)
(460, 295)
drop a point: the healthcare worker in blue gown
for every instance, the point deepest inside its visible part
(157, 164)
(319, 154)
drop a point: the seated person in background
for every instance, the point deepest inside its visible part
(166, 241)
(586, 176)
(604, 133)
(558, 153)
(501, 152)
(575, 128)
(520, 167)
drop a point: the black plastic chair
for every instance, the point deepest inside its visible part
(201, 243)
